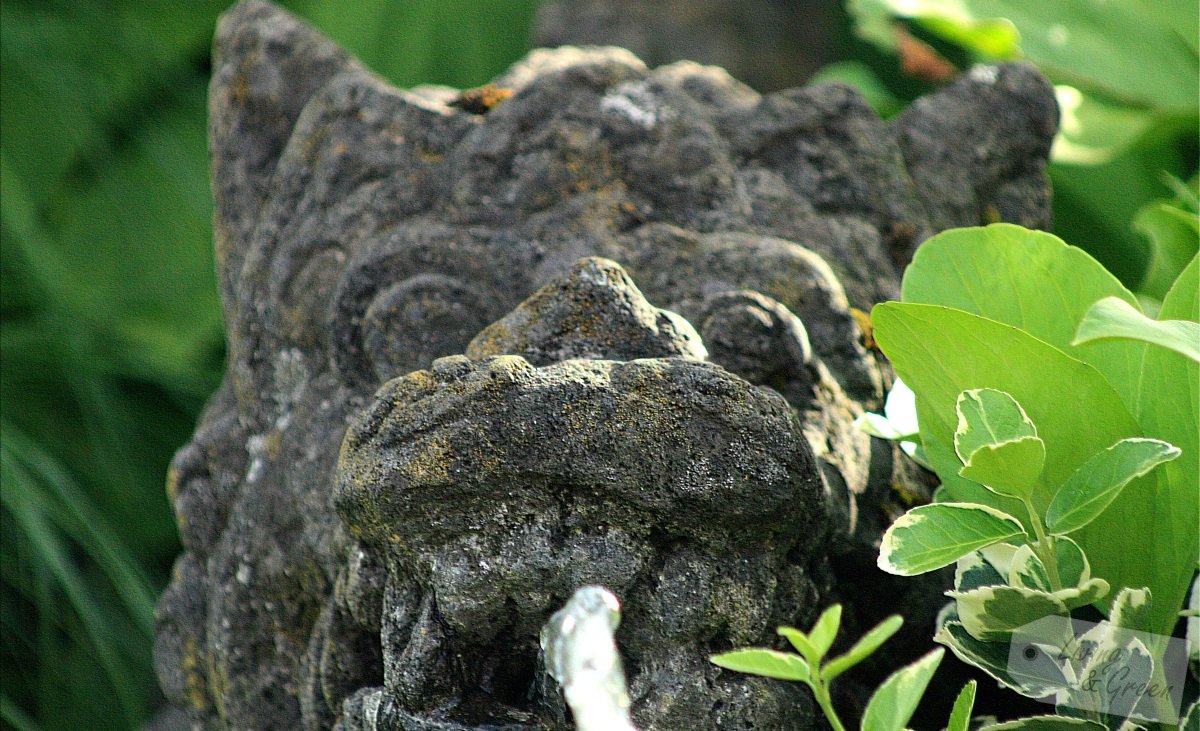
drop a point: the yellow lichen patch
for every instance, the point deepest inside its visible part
(738, 602)
(481, 100)
(196, 691)
(172, 484)
(493, 340)
(218, 684)
(430, 463)
(272, 443)
(412, 387)
(864, 324)
(580, 424)
(509, 367)
(782, 288)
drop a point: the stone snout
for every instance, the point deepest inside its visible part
(585, 441)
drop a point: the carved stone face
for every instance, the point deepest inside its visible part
(443, 413)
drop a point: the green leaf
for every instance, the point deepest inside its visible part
(802, 644)
(407, 41)
(995, 37)
(825, 629)
(1029, 279)
(893, 703)
(1167, 389)
(960, 715)
(1172, 232)
(864, 648)
(1047, 723)
(1094, 486)
(941, 352)
(932, 536)
(1140, 53)
(992, 613)
(1048, 286)
(987, 417)
(1009, 468)
(764, 662)
(1113, 318)
(1093, 130)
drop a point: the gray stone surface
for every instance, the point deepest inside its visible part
(443, 412)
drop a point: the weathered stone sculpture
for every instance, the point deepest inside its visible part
(599, 334)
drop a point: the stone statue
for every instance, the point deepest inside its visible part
(594, 333)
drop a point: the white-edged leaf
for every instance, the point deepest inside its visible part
(893, 703)
(988, 416)
(1131, 609)
(992, 613)
(1093, 487)
(1047, 723)
(932, 536)
(1115, 686)
(1086, 592)
(973, 571)
(1027, 571)
(1000, 556)
(764, 662)
(862, 649)
(1073, 566)
(1033, 681)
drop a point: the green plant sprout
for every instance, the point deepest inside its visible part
(893, 703)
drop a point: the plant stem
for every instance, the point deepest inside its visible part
(826, 704)
(1043, 548)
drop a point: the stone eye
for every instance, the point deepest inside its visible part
(411, 322)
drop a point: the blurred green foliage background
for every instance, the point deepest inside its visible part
(112, 336)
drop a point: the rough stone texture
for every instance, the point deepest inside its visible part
(376, 525)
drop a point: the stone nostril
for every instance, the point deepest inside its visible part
(595, 311)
